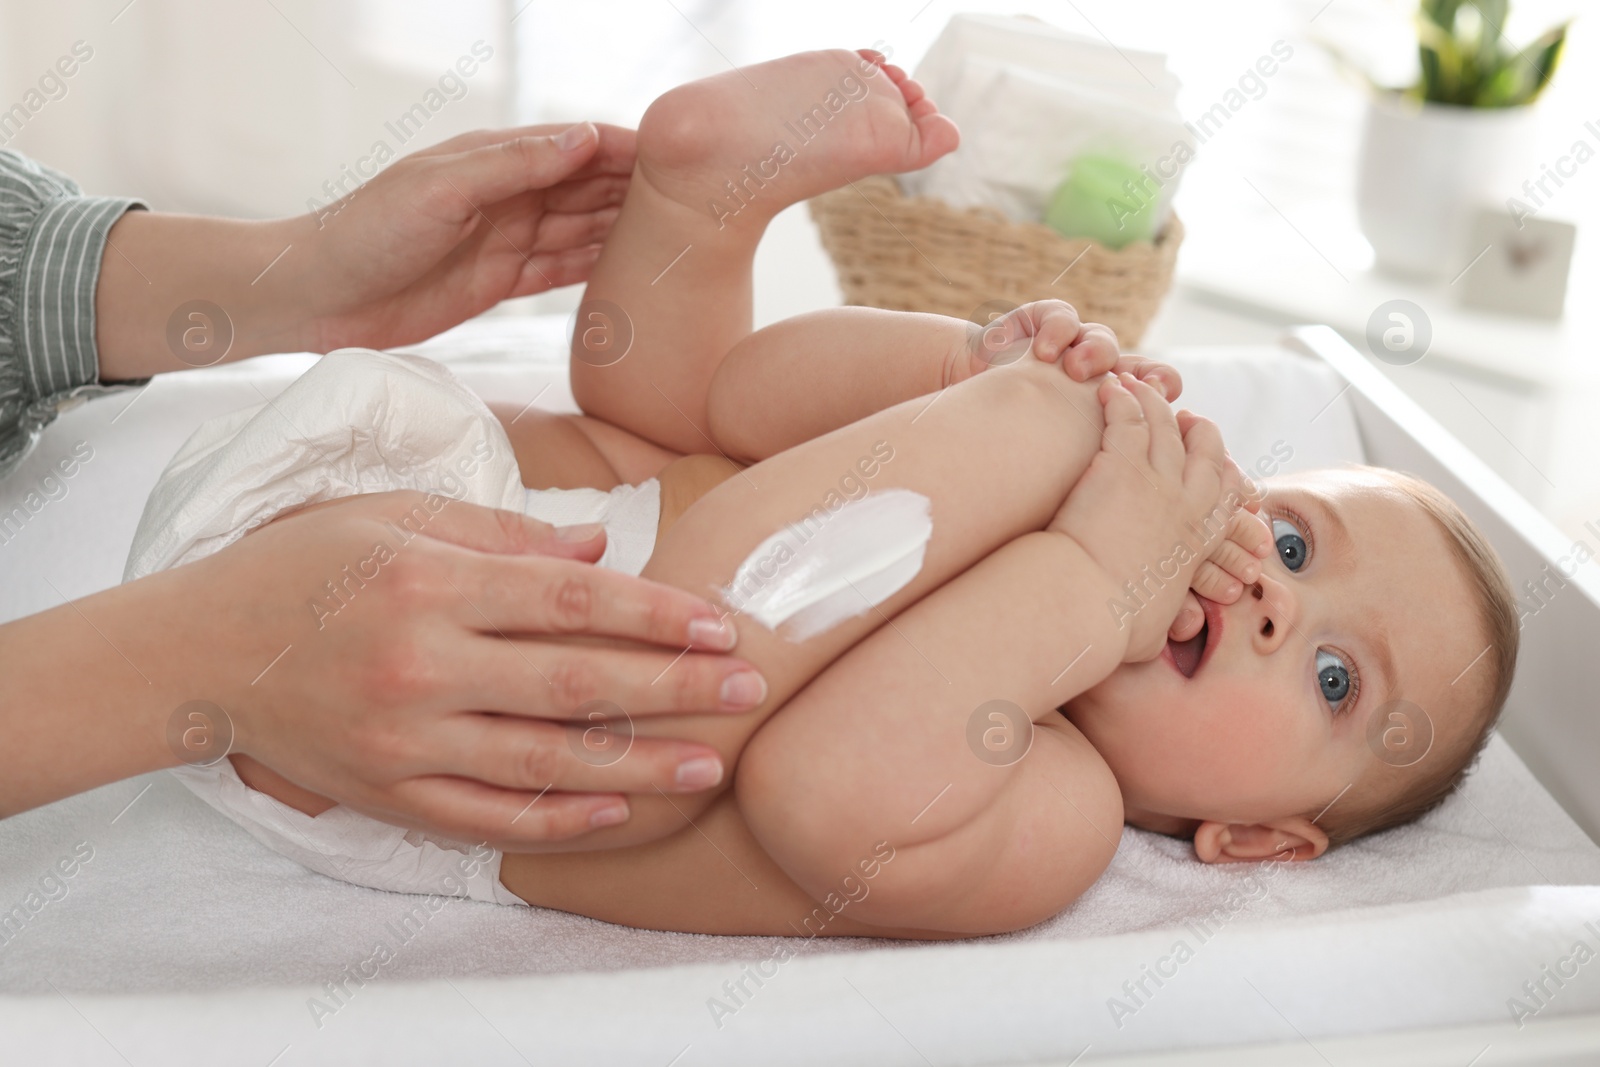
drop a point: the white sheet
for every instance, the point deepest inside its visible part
(177, 899)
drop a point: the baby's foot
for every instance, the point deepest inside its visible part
(1051, 329)
(741, 146)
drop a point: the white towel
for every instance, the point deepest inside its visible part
(1030, 99)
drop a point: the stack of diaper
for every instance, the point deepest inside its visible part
(1053, 126)
(360, 421)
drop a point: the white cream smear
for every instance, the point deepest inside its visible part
(815, 573)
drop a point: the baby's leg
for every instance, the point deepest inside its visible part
(995, 458)
(718, 159)
(808, 375)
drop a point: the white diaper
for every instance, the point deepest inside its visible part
(360, 421)
(630, 514)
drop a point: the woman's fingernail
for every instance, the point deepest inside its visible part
(743, 690)
(573, 136)
(702, 772)
(610, 815)
(712, 633)
(582, 532)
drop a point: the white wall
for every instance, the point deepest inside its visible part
(242, 106)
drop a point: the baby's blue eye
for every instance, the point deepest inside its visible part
(1291, 544)
(1333, 677)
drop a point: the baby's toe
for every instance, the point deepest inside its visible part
(1214, 583)
(938, 133)
(910, 88)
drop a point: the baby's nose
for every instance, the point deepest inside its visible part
(1273, 610)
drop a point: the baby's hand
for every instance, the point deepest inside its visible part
(1052, 327)
(1235, 562)
(1134, 508)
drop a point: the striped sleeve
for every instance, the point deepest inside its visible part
(51, 240)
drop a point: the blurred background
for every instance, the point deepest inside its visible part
(266, 107)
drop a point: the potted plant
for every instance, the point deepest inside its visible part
(1435, 152)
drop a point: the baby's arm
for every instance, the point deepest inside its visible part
(961, 456)
(888, 745)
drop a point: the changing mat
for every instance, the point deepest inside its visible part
(166, 895)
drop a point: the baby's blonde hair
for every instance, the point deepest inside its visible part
(1441, 773)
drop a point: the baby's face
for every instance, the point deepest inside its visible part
(1364, 604)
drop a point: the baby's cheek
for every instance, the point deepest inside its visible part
(1257, 732)
(1241, 708)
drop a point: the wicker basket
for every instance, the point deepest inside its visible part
(920, 254)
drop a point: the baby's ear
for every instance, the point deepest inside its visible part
(1294, 838)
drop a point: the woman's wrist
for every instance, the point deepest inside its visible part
(181, 291)
(86, 697)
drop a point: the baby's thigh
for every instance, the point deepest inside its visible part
(264, 779)
(562, 451)
(300, 510)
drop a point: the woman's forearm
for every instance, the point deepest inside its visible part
(803, 377)
(83, 701)
(432, 239)
(179, 291)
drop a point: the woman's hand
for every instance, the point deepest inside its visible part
(430, 241)
(432, 691)
(449, 232)
(438, 694)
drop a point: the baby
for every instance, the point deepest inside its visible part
(942, 553)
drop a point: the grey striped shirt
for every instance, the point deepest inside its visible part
(51, 239)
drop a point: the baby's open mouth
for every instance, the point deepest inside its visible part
(1187, 656)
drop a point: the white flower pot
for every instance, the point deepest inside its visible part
(1426, 171)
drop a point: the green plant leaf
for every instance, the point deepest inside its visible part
(1441, 64)
(1467, 61)
(1492, 47)
(1493, 13)
(1545, 55)
(1506, 87)
(1442, 13)
(1428, 85)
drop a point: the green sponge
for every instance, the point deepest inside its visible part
(1097, 201)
